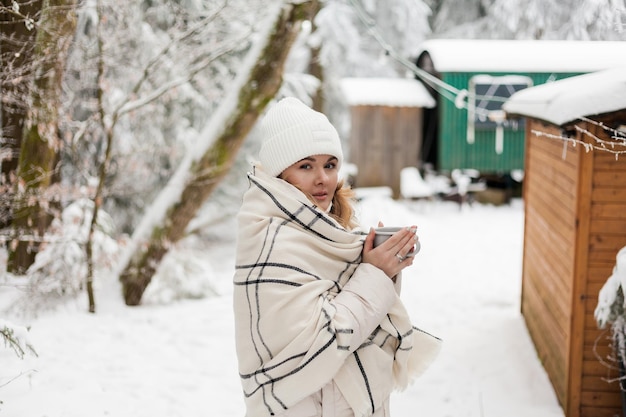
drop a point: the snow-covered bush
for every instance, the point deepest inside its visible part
(610, 310)
(16, 337)
(60, 267)
(184, 273)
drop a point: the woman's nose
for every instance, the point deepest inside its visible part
(321, 176)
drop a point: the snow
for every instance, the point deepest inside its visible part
(467, 55)
(412, 185)
(394, 92)
(179, 359)
(608, 295)
(569, 99)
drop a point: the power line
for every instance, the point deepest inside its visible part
(455, 95)
(426, 77)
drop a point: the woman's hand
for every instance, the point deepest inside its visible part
(390, 256)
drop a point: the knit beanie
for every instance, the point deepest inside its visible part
(291, 131)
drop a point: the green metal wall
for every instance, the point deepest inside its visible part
(455, 152)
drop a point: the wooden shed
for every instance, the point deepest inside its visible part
(480, 76)
(575, 223)
(385, 128)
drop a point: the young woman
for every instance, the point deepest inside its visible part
(320, 328)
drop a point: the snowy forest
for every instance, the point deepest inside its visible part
(126, 126)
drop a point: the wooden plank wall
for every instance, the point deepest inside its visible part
(575, 204)
(383, 140)
(607, 235)
(550, 195)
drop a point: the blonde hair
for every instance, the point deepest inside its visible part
(342, 208)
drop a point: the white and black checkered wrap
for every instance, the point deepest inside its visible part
(292, 260)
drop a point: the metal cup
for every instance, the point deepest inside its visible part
(384, 233)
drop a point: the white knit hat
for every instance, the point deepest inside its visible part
(291, 131)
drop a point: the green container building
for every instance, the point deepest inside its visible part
(471, 79)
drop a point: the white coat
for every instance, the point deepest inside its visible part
(328, 402)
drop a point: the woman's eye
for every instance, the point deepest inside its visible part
(305, 166)
(331, 165)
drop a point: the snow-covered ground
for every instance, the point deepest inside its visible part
(179, 359)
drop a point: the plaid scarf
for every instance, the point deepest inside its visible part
(292, 260)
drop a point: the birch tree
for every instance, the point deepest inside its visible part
(199, 175)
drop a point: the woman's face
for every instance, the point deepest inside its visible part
(315, 175)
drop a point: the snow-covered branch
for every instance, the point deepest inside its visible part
(197, 30)
(203, 63)
(615, 145)
(16, 338)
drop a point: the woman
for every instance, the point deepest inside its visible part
(320, 327)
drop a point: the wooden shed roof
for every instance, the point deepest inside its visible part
(391, 92)
(570, 99)
(475, 55)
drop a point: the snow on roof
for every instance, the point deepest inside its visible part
(569, 99)
(393, 92)
(464, 55)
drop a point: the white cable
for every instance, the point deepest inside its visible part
(444, 89)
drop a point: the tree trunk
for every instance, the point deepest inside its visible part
(263, 81)
(315, 67)
(16, 44)
(40, 141)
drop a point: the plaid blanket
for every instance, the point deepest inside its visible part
(292, 261)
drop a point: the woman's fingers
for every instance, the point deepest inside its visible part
(409, 246)
(403, 240)
(368, 245)
(390, 256)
